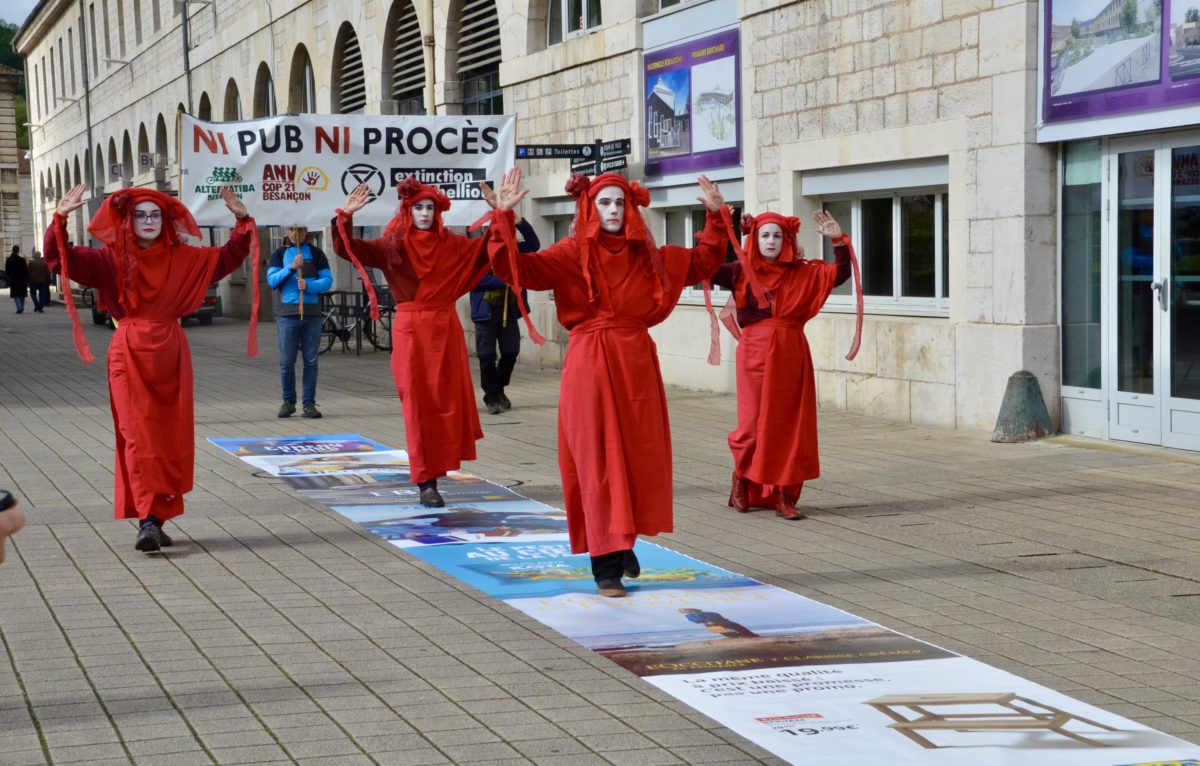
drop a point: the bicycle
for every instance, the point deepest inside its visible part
(346, 315)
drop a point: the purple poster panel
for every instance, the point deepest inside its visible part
(693, 113)
(1112, 57)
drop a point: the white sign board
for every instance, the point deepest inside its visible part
(300, 168)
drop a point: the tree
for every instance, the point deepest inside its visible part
(1129, 15)
(9, 57)
(1075, 28)
(1192, 15)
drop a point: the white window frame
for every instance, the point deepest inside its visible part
(565, 32)
(692, 295)
(939, 305)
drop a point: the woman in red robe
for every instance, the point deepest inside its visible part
(147, 276)
(774, 445)
(427, 268)
(611, 284)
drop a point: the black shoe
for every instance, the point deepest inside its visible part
(633, 567)
(286, 410)
(611, 588)
(149, 538)
(311, 411)
(503, 401)
(164, 539)
(492, 405)
(431, 498)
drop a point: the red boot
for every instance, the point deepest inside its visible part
(739, 496)
(786, 506)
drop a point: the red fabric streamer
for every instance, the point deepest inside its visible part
(503, 221)
(756, 287)
(81, 345)
(256, 256)
(714, 335)
(342, 217)
(858, 307)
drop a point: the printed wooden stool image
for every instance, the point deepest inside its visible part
(1019, 714)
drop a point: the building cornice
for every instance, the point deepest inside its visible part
(39, 21)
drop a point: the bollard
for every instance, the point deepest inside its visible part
(1023, 415)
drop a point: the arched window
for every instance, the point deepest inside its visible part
(114, 161)
(571, 18)
(233, 102)
(89, 170)
(479, 58)
(76, 178)
(403, 61)
(204, 112)
(127, 165)
(144, 150)
(349, 83)
(98, 180)
(161, 148)
(302, 90)
(264, 92)
(58, 187)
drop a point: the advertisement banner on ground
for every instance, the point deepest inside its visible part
(328, 464)
(692, 108)
(409, 525)
(1106, 58)
(349, 489)
(298, 445)
(809, 682)
(298, 169)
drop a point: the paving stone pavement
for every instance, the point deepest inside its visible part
(278, 632)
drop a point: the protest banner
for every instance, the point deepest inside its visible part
(298, 169)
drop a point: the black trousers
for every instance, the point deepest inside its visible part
(495, 375)
(610, 566)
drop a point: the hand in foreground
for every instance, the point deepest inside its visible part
(233, 202)
(712, 199)
(357, 200)
(11, 522)
(297, 261)
(509, 194)
(72, 200)
(826, 225)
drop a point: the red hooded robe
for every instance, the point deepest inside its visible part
(149, 362)
(427, 271)
(614, 437)
(775, 442)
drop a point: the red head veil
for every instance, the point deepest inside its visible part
(586, 229)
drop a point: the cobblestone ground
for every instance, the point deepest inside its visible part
(278, 632)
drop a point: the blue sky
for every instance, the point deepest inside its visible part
(15, 11)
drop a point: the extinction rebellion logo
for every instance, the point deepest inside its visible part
(362, 173)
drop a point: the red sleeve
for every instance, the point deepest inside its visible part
(372, 253)
(91, 266)
(543, 270)
(708, 254)
(232, 253)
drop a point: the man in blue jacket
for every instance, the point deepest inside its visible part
(496, 315)
(298, 273)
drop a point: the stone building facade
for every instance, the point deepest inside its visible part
(914, 121)
(14, 229)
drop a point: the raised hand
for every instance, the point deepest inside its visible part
(233, 202)
(712, 199)
(489, 195)
(827, 225)
(357, 200)
(72, 200)
(509, 194)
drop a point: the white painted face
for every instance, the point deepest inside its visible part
(147, 221)
(422, 214)
(610, 204)
(770, 241)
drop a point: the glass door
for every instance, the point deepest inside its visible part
(1133, 408)
(1154, 295)
(1179, 301)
